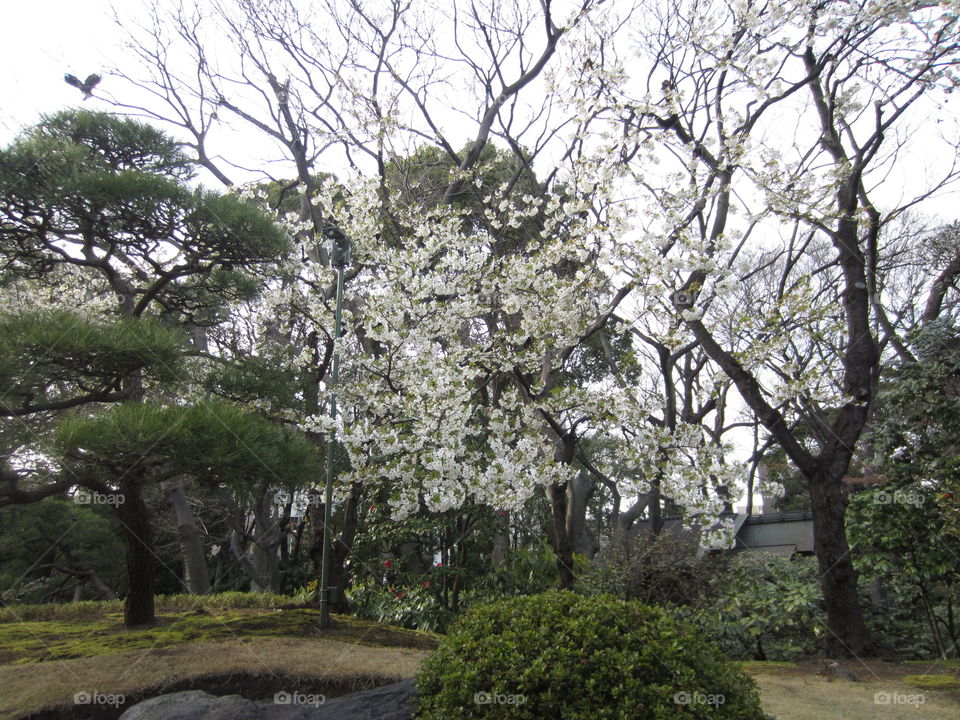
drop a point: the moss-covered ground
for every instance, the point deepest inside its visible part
(254, 645)
(46, 640)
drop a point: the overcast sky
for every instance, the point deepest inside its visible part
(42, 40)
(46, 38)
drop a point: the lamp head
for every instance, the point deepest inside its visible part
(340, 253)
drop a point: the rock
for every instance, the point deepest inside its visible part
(390, 702)
(834, 670)
(194, 704)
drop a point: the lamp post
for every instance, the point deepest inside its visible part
(339, 259)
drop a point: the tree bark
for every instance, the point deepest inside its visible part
(579, 490)
(501, 540)
(243, 558)
(266, 544)
(847, 631)
(340, 547)
(196, 575)
(626, 519)
(557, 494)
(135, 520)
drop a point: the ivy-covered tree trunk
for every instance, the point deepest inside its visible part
(135, 522)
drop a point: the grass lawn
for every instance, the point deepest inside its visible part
(260, 645)
(885, 691)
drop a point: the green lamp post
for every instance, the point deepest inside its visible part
(339, 260)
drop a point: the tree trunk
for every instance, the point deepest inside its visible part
(655, 509)
(87, 574)
(243, 559)
(557, 494)
(267, 539)
(285, 532)
(135, 521)
(340, 547)
(579, 490)
(298, 538)
(824, 473)
(626, 519)
(847, 631)
(91, 576)
(501, 540)
(196, 575)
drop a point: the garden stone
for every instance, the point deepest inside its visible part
(390, 702)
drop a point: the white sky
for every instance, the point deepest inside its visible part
(42, 40)
(46, 38)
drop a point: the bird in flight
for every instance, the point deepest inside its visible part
(86, 87)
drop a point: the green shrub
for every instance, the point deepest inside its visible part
(762, 607)
(564, 656)
(414, 606)
(667, 569)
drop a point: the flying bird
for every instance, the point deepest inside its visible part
(86, 87)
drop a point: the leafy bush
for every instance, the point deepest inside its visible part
(428, 601)
(414, 607)
(524, 571)
(565, 656)
(664, 570)
(763, 607)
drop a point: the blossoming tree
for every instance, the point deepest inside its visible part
(673, 145)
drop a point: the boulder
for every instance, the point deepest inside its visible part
(389, 702)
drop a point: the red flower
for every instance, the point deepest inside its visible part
(427, 584)
(386, 563)
(439, 565)
(373, 507)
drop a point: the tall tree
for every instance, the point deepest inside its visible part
(104, 201)
(134, 445)
(719, 76)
